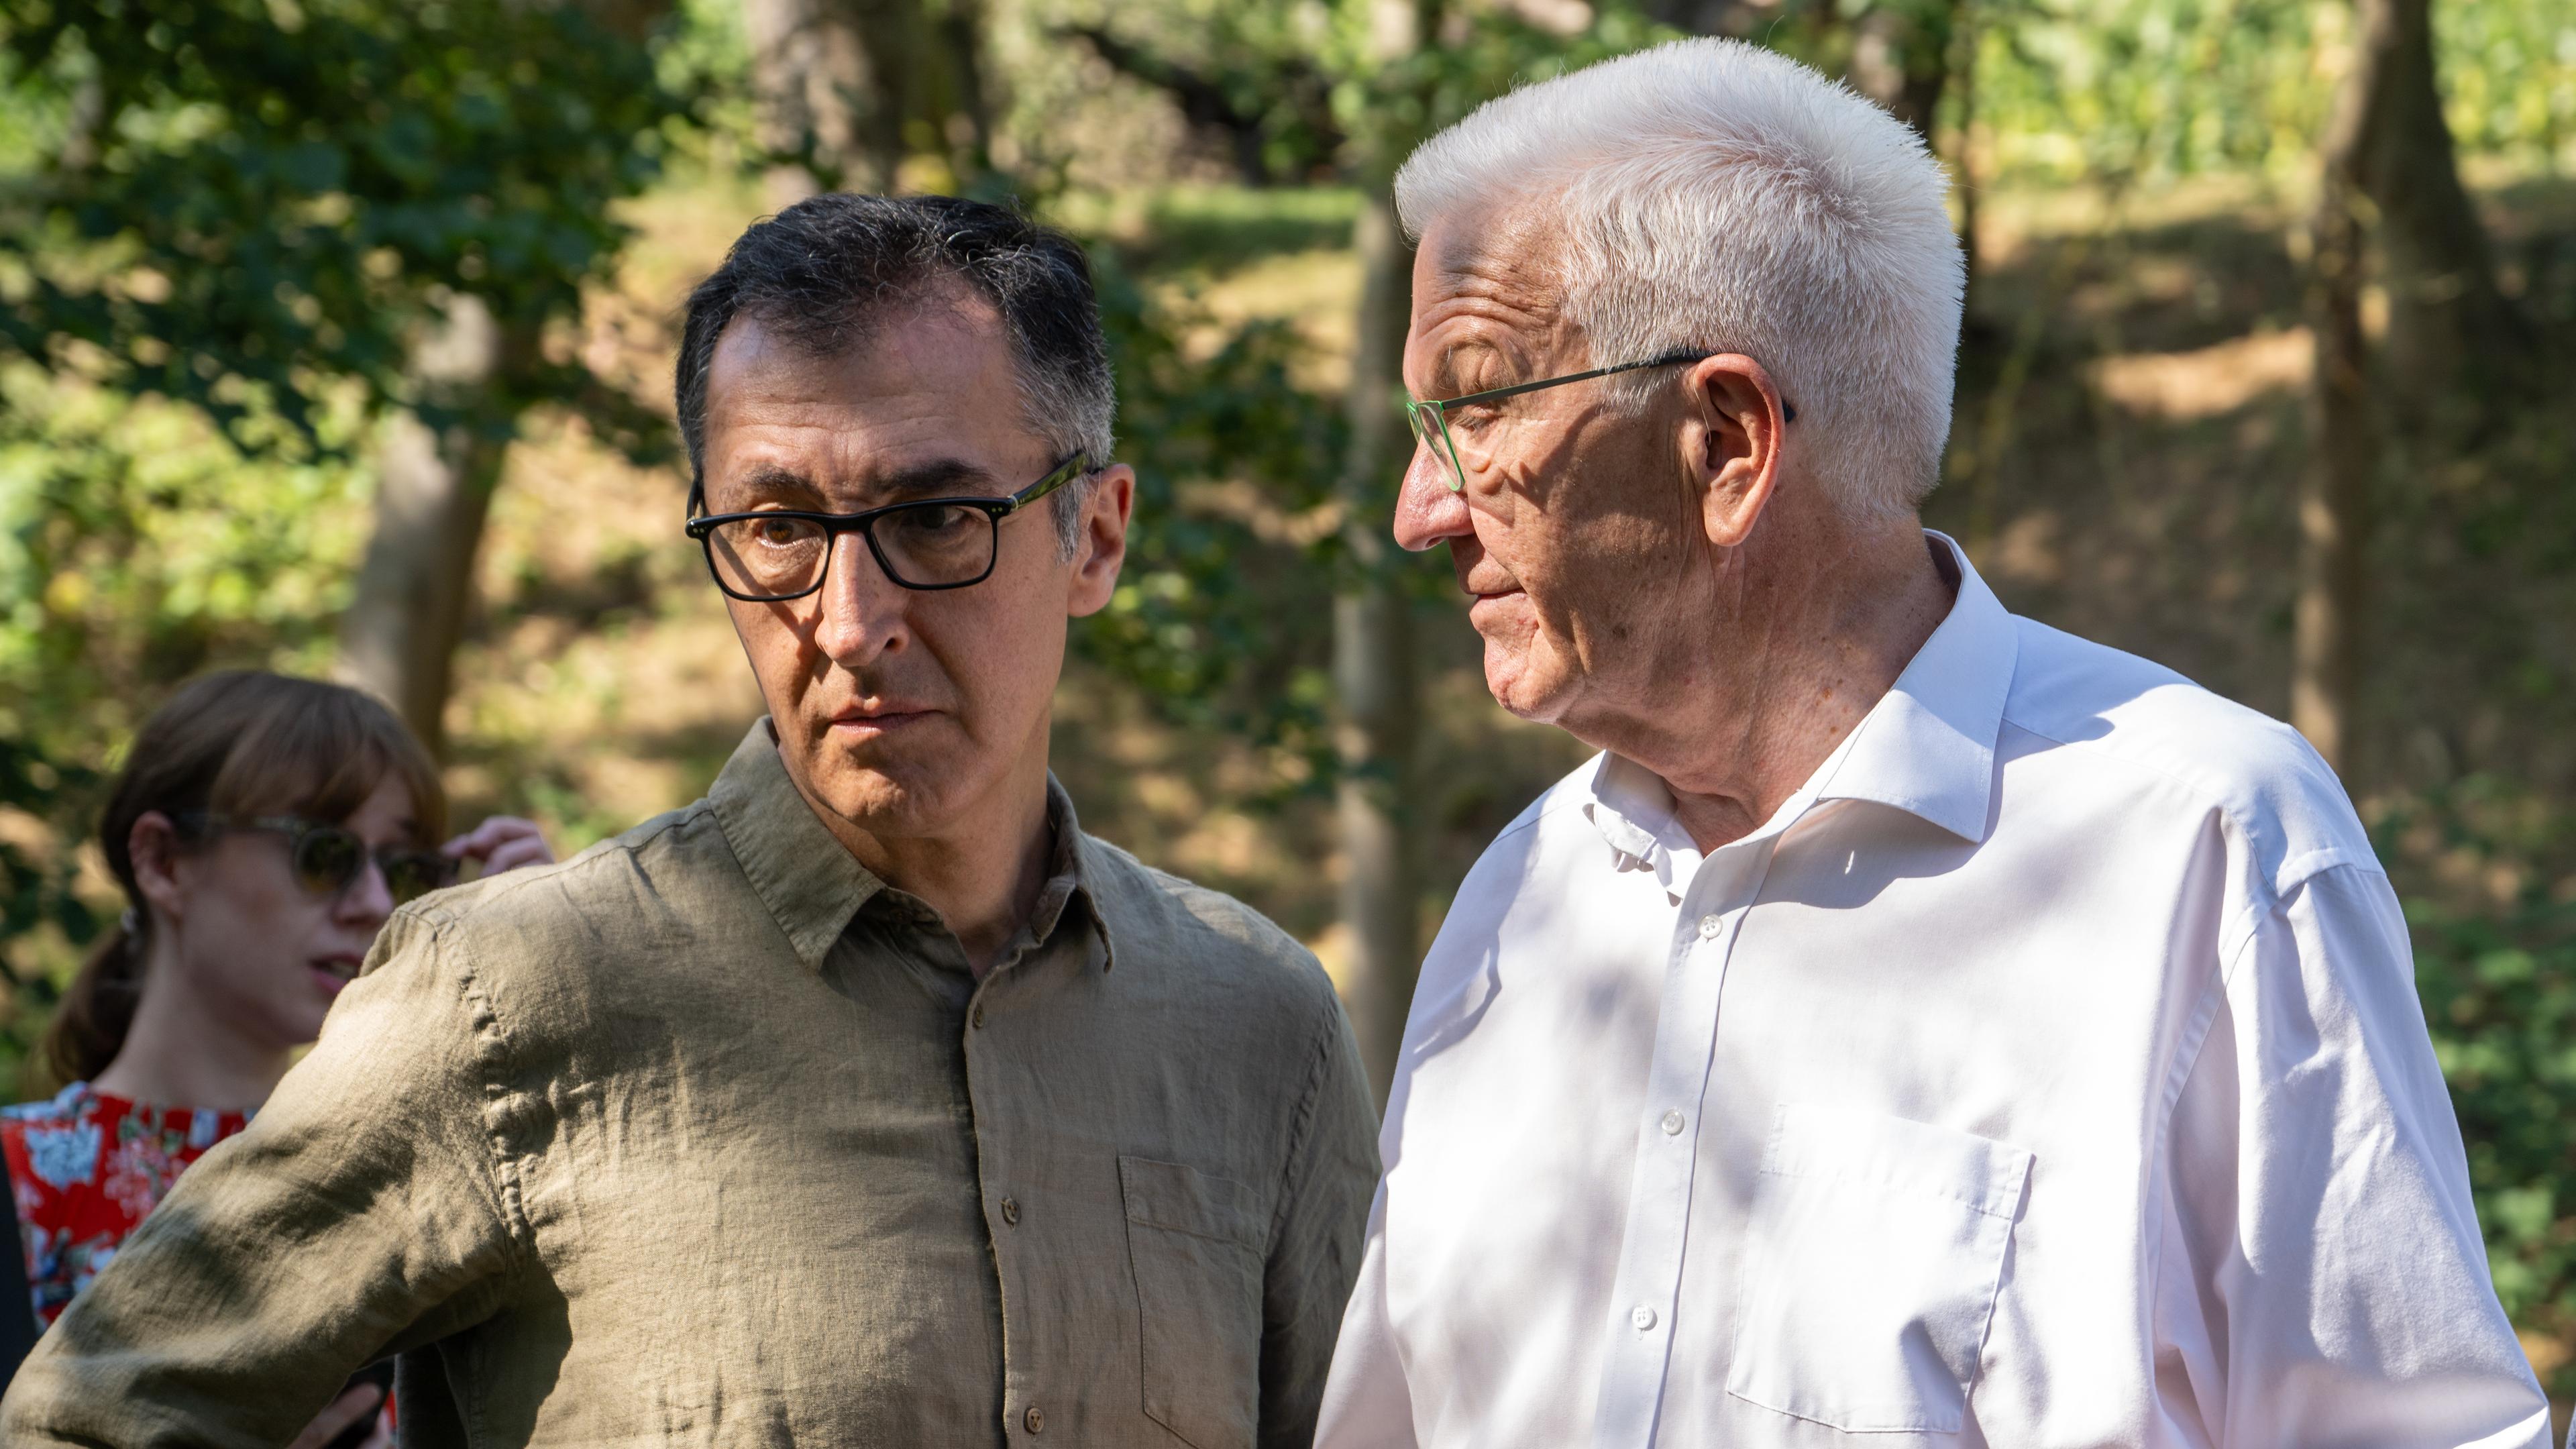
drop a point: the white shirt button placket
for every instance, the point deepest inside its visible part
(1650, 1258)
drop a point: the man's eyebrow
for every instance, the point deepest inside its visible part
(1452, 361)
(1448, 367)
(937, 478)
(1445, 370)
(768, 481)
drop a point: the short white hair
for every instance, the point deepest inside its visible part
(1718, 196)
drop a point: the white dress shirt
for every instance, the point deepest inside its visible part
(2048, 1071)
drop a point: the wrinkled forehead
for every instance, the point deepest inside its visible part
(1516, 239)
(1491, 277)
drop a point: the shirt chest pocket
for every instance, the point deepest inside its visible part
(1195, 1244)
(1870, 1271)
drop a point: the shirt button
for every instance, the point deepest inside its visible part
(1709, 926)
(976, 1018)
(1011, 1211)
(1035, 1420)
(1673, 1123)
(1643, 1317)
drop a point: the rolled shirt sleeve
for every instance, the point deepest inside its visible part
(361, 1213)
(2321, 1278)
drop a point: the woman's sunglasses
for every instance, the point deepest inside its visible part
(328, 859)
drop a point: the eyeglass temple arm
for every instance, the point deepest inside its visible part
(1063, 473)
(1516, 389)
(1788, 410)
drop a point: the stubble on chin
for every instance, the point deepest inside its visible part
(887, 790)
(865, 794)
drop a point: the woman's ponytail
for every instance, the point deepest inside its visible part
(97, 1009)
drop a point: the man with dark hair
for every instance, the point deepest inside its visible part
(865, 1102)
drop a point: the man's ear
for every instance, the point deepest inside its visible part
(1102, 549)
(1736, 438)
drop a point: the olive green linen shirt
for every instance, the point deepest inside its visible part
(707, 1136)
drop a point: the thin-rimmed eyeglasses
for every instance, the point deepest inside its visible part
(1431, 423)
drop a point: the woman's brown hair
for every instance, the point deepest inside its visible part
(244, 742)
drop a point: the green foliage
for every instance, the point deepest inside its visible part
(1472, 57)
(222, 223)
(2115, 90)
(1263, 68)
(246, 200)
(2509, 76)
(138, 546)
(1201, 622)
(2499, 990)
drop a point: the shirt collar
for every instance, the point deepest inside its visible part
(1633, 809)
(1078, 856)
(811, 883)
(1927, 747)
(799, 869)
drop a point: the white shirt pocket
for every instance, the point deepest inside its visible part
(1870, 1271)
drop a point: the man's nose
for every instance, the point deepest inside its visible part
(862, 608)
(1427, 510)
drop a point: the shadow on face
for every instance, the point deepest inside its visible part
(1574, 528)
(897, 710)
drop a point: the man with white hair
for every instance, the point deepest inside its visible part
(1917, 1026)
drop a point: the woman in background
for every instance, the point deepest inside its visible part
(263, 829)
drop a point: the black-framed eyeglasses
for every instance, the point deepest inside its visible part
(1431, 423)
(772, 555)
(328, 859)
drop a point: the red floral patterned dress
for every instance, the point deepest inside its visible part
(85, 1168)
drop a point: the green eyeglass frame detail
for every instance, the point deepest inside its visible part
(1431, 423)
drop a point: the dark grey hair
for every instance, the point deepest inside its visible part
(823, 271)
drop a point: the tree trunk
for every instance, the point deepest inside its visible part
(1373, 668)
(961, 32)
(2451, 333)
(1204, 103)
(1740, 19)
(904, 62)
(416, 587)
(1901, 58)
(632, 19)
(1963, 165)
(2334, 498)
(805, 69)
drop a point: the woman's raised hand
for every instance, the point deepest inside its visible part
(503, 842)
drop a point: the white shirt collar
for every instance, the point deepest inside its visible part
(1927, 747)
(1633, 809)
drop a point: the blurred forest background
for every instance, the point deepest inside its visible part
(335, 336)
